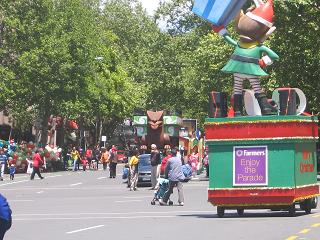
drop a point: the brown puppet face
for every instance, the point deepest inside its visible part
(256, 25)
(155, 119)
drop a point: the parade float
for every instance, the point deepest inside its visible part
(157, 128)
(265, 159)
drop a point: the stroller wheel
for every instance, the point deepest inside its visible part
(170, 203)
(153, 202)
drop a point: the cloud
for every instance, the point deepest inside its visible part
(150, 5)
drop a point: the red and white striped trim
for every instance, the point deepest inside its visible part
(259, 19)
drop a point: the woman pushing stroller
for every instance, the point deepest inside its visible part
(174, 174)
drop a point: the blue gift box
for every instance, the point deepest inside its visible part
(218, 12)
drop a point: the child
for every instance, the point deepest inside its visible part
(84, 164)
(12, 171)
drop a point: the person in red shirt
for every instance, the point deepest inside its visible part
(36, 164)
(164, 161)
(89, 155)
(84, 164)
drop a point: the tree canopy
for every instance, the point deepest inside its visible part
(96, 62)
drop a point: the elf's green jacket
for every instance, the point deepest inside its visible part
(245, 60)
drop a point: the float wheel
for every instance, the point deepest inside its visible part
(220, 212)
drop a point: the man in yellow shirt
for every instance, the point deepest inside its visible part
(75, 156)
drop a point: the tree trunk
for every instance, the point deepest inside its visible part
(44, 130)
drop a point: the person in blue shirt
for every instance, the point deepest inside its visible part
(3, 162)
(174, 174)
(5, 216)
(12, 170)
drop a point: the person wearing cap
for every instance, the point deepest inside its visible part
(155, 160)
(174, 173)
(5, 216)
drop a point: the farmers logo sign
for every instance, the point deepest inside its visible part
(250, 166)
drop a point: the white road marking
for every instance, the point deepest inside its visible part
(128, 201)
(101, 178)
(84, 229)
(138, 197)
(76, 184)
(22, 200)
(111, 213)
(53, 176)
(88, 218)
(40, 192)
(10, 183)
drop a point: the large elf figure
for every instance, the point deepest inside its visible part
(250, 55)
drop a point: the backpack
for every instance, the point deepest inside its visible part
(187, 170)
(125, 173)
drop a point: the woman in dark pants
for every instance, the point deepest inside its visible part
(113, 160)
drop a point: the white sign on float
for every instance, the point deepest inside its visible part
(103, 138)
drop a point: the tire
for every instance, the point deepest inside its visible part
(303, 205)
(314, 202)
(153, 203)
(308, 205)
(220, 212)
(170, 203)
(292, 210)
(240, 212)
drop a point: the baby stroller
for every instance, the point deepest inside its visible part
(162, 187)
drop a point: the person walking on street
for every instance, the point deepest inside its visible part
(89, 155)
(5, 216)
(36, 164)
(133, 164)
(155, 162)
(113, 160)
(12, 171)
(96, 156)
(174, 174)
(75, 156)
(3, 162)
(104, 158)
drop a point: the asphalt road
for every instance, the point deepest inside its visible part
(88, 205)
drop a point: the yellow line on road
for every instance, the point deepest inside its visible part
(316, 216)
(316, 225)
(305, 230)
(292, 237)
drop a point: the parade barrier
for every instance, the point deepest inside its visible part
(262, 162)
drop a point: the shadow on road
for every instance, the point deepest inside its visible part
(233, 214)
